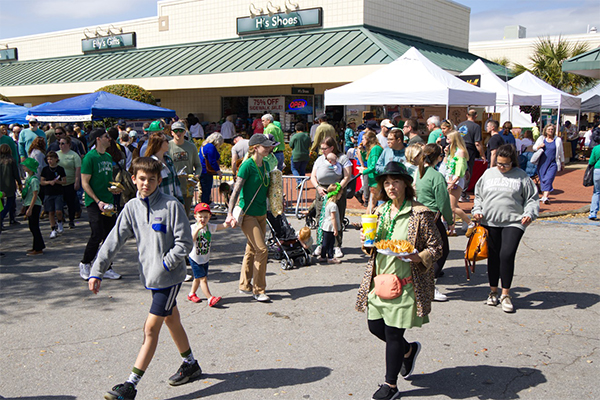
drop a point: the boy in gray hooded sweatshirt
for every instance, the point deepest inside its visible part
(164, 239)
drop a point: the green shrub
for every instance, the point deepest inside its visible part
(133, 92)
(224, 151)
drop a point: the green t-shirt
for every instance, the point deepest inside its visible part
(69, 162)
(33, 186)
(256, 179)
(435, 135)
(277, 134)
(300, 144)
(99, 166)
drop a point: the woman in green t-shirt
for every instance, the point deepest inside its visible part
(400, 218)
(251, 187)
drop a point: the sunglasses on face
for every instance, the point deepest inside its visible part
(502, 165)
(179, 130)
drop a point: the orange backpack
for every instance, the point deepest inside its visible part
(477, 248)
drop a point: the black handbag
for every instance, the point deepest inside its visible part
(588, 176)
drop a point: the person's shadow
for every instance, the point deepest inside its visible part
(481, 381)
(257, 379)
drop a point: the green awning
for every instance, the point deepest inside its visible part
(586, 64)
(353, 46)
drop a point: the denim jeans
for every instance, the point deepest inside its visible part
(206, 183)
(9, 208)
(299, 169)
(280, 158)
(595, 206)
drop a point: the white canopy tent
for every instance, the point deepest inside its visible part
(590, 100)
(411, 80)
(507, 97)
(551, 96)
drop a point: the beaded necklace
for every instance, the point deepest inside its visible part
(387, 223)
(263, 175)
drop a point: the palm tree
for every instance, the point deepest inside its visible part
(546, 62)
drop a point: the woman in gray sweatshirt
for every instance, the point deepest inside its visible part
(506, 202)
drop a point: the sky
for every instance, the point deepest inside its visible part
(488, 17)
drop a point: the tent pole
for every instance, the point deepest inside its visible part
(446, 111)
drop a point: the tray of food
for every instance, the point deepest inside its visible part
(396, 248)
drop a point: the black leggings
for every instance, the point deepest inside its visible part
(34, 228)
(502, 249)
(327, 245)
(70, 198)
(395, 347)
(439, 264)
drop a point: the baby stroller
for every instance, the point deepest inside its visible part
(312, 220)
(283, 243)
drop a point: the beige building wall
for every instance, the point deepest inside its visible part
(441, 21)
(189, 21)
(520, 50)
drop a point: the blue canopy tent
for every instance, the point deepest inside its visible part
(20, 117)
(98, 105)
(9, 108)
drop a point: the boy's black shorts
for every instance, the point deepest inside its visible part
(163, 300)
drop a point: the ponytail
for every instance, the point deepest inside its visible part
(430, 154)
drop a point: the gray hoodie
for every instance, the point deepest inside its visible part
(504, 199)
(164, 239)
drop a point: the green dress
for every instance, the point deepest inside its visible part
(400, 312)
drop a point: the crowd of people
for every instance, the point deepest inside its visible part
(412, 182)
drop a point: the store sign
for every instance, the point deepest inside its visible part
(281, 21)
(297, 104)
(303, 90)
(113, 42)
(257, 105)
(8, 55)
(474, 80)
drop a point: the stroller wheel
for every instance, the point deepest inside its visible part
(286, 265)
(311, 223)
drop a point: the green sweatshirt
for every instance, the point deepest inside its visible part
(432, 192)
(595, 157)
(504, 199)
(372, 163)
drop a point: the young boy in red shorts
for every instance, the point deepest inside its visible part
(158, 222)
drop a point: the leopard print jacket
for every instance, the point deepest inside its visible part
(424, 235)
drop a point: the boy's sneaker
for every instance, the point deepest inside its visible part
(186, 373)
(188, 278)
(84, 271)
(213, 300)
(60, 228)
(437, 296)
(194, 298)
(53, 234)
(241, 291)
(337, 252)
(408, 365)
(263, 298)
(492, 299)
(386, 392)
(111, 274)
(122, 391)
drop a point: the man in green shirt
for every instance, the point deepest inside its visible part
(96, 175)
(433, 124)
(185, 157)
(272, 129)
(300, 144)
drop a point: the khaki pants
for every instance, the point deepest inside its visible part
(187, 199)
(254, 266)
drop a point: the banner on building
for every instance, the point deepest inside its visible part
(258, 105)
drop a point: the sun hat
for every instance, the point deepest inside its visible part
(155, 127)
(31, 164)
(394, 168)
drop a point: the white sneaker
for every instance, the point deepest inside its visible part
(60, 228)
(261, 297)
(84, 271)
(188, 278)
(111, 274)
(240, 291)
(337, 252)
(437, 296)
(53, 234)
(317, 251)
(507, 306)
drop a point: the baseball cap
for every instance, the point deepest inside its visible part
(33, 120)
(95, 134)
(177, 125)
(387, 123)
(202, 207)
(132, 133)
(372, 124)
(369, 115)
(396, 115)
(121, 122)
(351, 121)
(260, 139)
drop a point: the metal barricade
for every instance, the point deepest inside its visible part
(296, 196)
